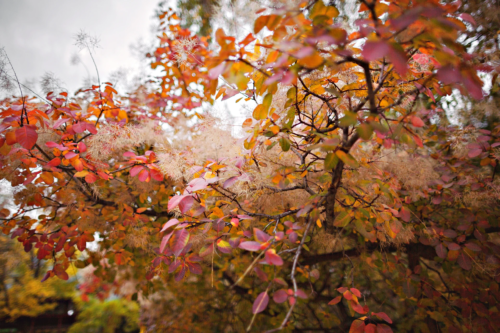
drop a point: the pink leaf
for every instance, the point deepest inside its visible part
(182, 238)
(398, 59)
(261, 235)
(375, 50)
(475, 152)
(197, 184)
(467, 18)
(260, 303)
(301, 294)
(169, 224)
(303, 52)
(135, 170)
(272, 258)
(216, 71)
(59, 122)
(186, 204)
(280, 296)
(174, 201)
(79, 127)
(70, 155)
(230, 93)
(230, 181)
(91, 128)
(144, 175)
(250, 246)
(164, 241)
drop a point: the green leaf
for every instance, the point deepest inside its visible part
(347, 159)
(285, 144)
(331, 161)
(271, 145)
(365, 131)
(349, 119)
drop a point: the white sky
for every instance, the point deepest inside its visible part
(38, 36)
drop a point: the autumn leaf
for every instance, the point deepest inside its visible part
(26, 136)
(260, 303)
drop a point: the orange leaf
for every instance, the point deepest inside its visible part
(312, 61)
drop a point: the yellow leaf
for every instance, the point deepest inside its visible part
(318, 223)
(260, 112)
(81, 173)
(275, 129)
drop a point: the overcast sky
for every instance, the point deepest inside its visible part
(38, 35)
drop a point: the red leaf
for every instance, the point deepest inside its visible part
(250, 246)
(280, 296)
(473, 247)
(405, 215)
(417, 122)
(355, 292)
(81, 243)
(454, 246)
(358, 308)
(464, 261)
(383, 328)
(82, 147)
(370, 328)
(157, 175)
(357, 326)
(383, 316)
(441, 251)
(26, 136)
(335, 300)
(260, 303)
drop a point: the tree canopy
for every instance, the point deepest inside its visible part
(347, 200)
